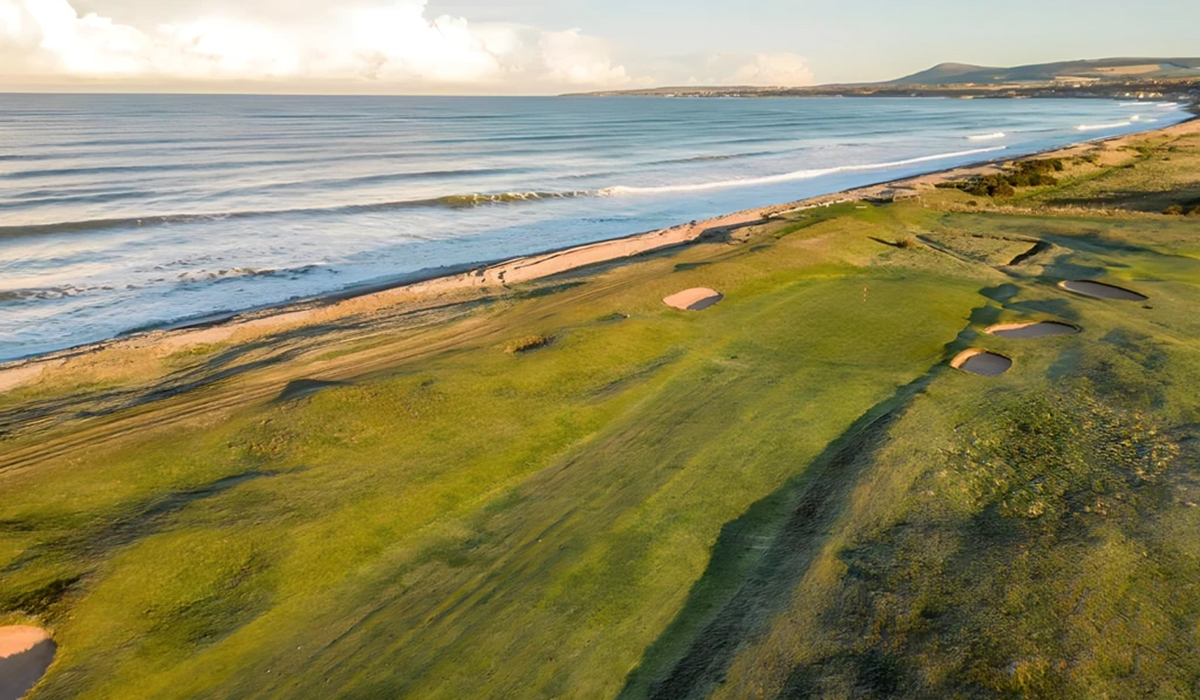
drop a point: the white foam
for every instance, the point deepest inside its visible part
(987, 137)
(787, 177)
(1098, 127)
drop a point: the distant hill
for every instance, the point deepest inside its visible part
(942, 74)
(1106, 77)
(1106, 69)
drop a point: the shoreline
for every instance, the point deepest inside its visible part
(470, 280)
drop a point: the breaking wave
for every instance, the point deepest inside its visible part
(186, 277)
(987, 137)
(1099, 127)
(462, 201)
(789, 177)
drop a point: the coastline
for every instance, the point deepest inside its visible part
(476, 280)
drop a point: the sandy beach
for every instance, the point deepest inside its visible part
(477, 283)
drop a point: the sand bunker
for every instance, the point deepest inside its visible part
(1100, 290)
(697, 299)
(25, 654)
(981, 362)
(1039, 329)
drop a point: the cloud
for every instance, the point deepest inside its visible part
(580, 60)
(774, 69)
(766, 69)
(389, 43)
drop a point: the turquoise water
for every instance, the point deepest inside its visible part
(119, 212)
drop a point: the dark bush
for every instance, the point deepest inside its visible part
(1027, 173)
(1039, 167)
(531, 342)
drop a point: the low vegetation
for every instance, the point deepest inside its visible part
(789, 495)
(529, 342)
(1025, 173)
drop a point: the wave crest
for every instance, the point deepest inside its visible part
(474, 200)
(788, 177)
(1098, 127)
(464, 201)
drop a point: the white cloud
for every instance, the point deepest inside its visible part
(580, 60)
(384, 42)
(774, 69)
(765, 69)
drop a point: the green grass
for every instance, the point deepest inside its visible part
(575, 520)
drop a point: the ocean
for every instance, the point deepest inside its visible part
(126, 212)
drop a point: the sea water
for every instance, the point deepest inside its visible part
(123, 212)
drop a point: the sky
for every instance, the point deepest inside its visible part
(553, 46)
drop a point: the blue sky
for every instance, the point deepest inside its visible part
(848, 40)
(547, 46)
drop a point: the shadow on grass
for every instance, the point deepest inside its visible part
(1133, 200)
(225, 364)
(739, 593)
(94, 543)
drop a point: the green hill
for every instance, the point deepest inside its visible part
(1101, 69)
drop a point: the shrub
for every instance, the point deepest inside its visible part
(1003, 189)
(530, 342)
(1174, 210)
(979, 189)
(1195, 211)
(1042, 166)
(907, 242)
(1029, 173)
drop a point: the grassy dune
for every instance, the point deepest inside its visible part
(570, 490)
